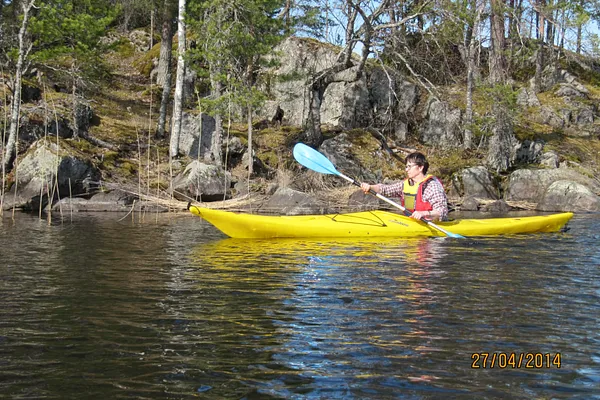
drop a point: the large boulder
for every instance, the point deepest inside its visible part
(569, 196)
(529, 151)
(201, 181)
(475, 182)
(549, 159)
(530, 185)
(47, 170)
(196, 135)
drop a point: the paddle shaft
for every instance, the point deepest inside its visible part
(404, 210)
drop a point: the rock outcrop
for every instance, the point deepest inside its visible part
(47, 174)
(383, 99)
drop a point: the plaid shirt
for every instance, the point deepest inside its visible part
(433, 193)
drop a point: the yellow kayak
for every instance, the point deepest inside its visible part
(368, 224)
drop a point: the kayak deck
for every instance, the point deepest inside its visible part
(369, 224)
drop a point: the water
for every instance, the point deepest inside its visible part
(169, 308)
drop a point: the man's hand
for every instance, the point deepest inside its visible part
(421, 214)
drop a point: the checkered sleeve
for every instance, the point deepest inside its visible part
(434, 194)
(392, 190)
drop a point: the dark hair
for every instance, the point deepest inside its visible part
(419, 159)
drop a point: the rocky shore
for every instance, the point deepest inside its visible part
(120, 166)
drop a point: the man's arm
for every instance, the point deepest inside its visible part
(434, 194)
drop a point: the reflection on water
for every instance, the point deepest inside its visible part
(104, 309)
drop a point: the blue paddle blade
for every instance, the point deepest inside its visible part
(314, 160)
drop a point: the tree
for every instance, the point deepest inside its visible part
(345, 68)
(233, 39)
(498, 72)
(178, 100)
(23, 52)
(470, 46)
(67, 47)
(539, 60)
(164, 75)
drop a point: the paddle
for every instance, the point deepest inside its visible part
(316, 161)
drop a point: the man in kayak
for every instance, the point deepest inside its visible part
(419, 193)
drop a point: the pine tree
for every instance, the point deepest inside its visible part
(233, 39)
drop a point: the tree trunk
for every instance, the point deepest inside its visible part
(164, 103)
(539, 59)
(165, 74)
(579, 34)
(166, 43)
(497, 58)
(16, 101)
(284, 14)
(74, 98)
(550, 27)
(502, 149)
(250, 157)
(471, 50)
(178, 100)
(313, 136)
(319, 82)
(217, 138)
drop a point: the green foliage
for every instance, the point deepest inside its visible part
(124, 48)
(145, 63)
(503, 95)
(232, 39)
(66, 34)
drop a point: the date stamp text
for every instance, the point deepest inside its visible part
(515, 360)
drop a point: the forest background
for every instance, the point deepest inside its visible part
(479, 51)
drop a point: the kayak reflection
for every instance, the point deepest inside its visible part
(234, 253)
(314, 307)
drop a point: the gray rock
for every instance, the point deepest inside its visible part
(531, 185)
(241, 188)
(469, 204)
(140, 40)
(271, 189)
(530, 151)
(442, 125)
(42, 167)
(568, 90)
(359, 200)
(376, 99)
(569, 196)
(191, 140)
(497, 207)
(201, 181)
(475, 182)
(105, 205)
(527, 98)
(549, 117)
(339, 151)
(37, 122)
(549, 159)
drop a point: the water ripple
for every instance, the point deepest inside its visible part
(98, 308)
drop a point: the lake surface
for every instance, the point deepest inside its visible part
(168, 308)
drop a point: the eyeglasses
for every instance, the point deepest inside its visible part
(409, 166)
